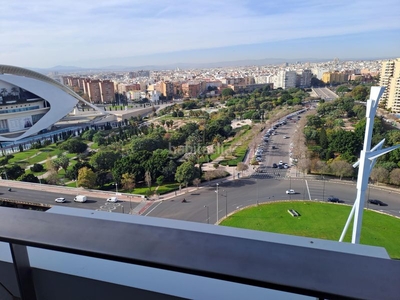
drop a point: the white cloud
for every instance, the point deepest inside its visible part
(47, 32)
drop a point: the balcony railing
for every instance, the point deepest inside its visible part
(302, 266)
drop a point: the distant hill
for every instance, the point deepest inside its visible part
(188, 65)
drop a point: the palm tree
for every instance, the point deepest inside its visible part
(3, 92)
(15, 91)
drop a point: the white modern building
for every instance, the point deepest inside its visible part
(31, 102)
(285, 79)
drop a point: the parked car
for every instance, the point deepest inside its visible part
(273, 147)
(333, 199)
(377, 202)
(274, 165)
(60, 200)
(291, 192)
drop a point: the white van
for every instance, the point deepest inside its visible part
(80, 198)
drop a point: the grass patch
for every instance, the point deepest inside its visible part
(319, 220)
(163, 189)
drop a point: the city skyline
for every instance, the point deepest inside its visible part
(98, 34)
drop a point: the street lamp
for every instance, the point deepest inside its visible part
(217, 203)
(226, 203)
(116, 188)
(208, 214)
(258, 195)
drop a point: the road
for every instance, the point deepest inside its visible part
(234, 195)
(45, 194)
(325, 93)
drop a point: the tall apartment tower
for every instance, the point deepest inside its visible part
(285, 79)
(390, 78)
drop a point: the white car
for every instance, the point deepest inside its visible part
(112, 199)
(291, 192)
(60, 200)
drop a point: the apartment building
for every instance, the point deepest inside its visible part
(334, 77)
(167, 89)
(390, 78)
(285, 79)
(191, 89)
(124, 88)
(305, 79)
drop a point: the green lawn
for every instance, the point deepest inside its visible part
(165, 188)
(33, 156)
(319, 220)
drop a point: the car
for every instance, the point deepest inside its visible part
(274, 165)
(290, 192)
(377, 202)
(60, 200)
(273, 147)
(112, 199)
(285, 137)
(333, 199)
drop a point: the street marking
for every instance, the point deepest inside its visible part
(308, 190)
(153, 208)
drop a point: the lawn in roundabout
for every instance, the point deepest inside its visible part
(319, 220)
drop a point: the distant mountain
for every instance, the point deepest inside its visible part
(188, 65)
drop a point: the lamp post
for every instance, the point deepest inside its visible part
(258, 194)
(116, 188)
(217, 203)
(208, 214)
(226, 203)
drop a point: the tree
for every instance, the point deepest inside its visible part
(37, 168)
(104, 160)
(242, 167)
(50, 166)
(61, 162)
(86, 178)
(185, 173)
(74, 145)
(14, 172)
(128, 181)
(148, 179)
(360, 93)
(227, 92)
(341, 168)
(160, 180)
(196, 182)
(395, 176)
(379, 174)
(52, 177)
(28, 178)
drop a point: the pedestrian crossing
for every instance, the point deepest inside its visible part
(270, 174)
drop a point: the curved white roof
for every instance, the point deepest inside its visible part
(62, 99)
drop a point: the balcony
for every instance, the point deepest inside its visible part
(67, 253)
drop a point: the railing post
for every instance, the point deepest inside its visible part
(23, 272)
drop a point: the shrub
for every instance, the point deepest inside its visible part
(37, 168)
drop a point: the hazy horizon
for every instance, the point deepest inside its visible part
(95, 34)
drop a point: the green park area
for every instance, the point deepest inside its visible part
(319, 220)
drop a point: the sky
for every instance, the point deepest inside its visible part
(100, 33)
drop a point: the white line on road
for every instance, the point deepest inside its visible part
(153, 208)
(308, 190)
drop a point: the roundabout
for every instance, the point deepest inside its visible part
(318, 220)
